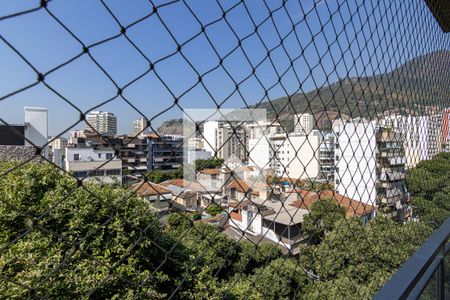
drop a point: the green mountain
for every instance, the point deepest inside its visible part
(416, 86)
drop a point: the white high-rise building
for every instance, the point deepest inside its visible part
(139, 127)
(303, 123)
(355, 159)
(423, 135)
(209, 136)
(296, 155)
(105, 123)
(228, 140)
(36, 128)
(259, 144)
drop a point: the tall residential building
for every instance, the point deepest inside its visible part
(303, 123)
(295, 155)
(326, 155)
(446, 129)
(228, 140)
(164, 152)
(105, 123)
(423, 135)
(259, 144)
(355, 159)
(392, 195)
(139, 127)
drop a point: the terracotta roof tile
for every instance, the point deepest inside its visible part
(149, 189)
(182, 183)
(242, 186)
(353, 207)
(211, 171)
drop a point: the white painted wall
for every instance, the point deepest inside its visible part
(209, 135)
(355, 174)
(36, 127)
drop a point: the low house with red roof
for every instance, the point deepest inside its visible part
(158, 196)
(305, 199)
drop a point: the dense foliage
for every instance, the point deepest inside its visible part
(158, 176)
(322, 219)
(61, 240)
(429, 185)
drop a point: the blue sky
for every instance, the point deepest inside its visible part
(319, 42)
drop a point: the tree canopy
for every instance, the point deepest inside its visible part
(429, 185)
(59, 239)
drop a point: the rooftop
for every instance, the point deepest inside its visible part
(149, 189)
(305, 200)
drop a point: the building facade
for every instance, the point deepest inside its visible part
(164, 152)
(139, 127)
(105, 123)
(97, 164)
(296, 155)
(392, 194)
(303, 123)
(326, 155)
(134, 155)
(228, 140)
(355, 159)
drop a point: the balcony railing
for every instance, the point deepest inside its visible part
(417, 273)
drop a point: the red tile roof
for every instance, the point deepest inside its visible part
(182, 183)
(211, 171)
(242, 186)
(149, 189)
(353, 207)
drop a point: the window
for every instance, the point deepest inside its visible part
(337, 157)
(99, 155)
(98, 173)
(109, 155)
(80, 174)
(338, 181)
(337, 146)
(113, 172)
(76, 156)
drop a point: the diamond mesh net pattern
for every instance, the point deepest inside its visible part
(302, 202)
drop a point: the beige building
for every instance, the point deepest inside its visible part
(296, 155)
(139, 127)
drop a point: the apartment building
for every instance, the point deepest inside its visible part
(355, 159)
(76, 137)
(259, 143)
(97, 164)
(303, 123)
(134, 155)
(296, 155)
(446, 129)
(228, 140)
(105, 123)
(139, 127)
(423, 135)
(392, 195)
(57, 148)
(326, 155)
(164, 152)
